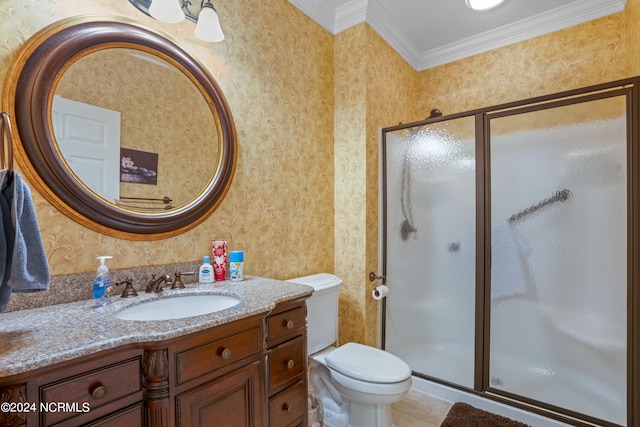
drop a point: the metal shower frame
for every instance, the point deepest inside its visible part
(630, 88)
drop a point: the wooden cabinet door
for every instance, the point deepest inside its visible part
(234, 400)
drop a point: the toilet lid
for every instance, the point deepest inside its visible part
(368, 364)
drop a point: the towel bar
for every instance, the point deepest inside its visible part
(6, 162)
(559, 196)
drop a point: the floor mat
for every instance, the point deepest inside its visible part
(463, 415)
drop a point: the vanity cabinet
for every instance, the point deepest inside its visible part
(217, 376)
(246, 373)
(286, 359)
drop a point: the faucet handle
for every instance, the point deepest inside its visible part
(177, 281)
(128, 291)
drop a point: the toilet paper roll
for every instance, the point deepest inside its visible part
(380, 292)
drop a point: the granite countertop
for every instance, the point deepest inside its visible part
(39, 337)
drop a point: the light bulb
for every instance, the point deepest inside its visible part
(208, 26)
(483, 4)
(169, 11)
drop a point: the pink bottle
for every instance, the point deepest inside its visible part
(219, 250)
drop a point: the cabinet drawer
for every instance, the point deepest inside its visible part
(130, 417)
(198, 361)
(286, 362)
(95, 388)
(283, 326)
(289, 407)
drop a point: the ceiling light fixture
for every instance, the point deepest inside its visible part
(173, 11)
(483, 4)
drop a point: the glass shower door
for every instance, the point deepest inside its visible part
(430, 244)
(558, 277)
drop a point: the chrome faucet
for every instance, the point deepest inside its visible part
(155, 285)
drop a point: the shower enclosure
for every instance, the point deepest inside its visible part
(510, 245)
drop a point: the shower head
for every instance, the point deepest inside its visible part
(406, 229)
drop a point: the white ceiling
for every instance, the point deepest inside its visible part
(428, 33)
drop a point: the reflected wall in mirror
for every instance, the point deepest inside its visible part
(84, 91)
(120, 81)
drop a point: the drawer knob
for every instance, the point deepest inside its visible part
(289, 324)
(290, 364)
(226, 353)
(287, 408)
(98, 392)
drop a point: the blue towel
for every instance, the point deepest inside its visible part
(5, 210)
(26, 268)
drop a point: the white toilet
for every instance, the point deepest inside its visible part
(356, 383)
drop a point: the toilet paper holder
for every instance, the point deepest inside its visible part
(373, 277)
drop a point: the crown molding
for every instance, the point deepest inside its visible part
(392, 33)
(350, 14)
(321, 12)
(355, 12)
(538, 25)
(332, 19)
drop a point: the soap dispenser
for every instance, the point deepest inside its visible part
(102, 288)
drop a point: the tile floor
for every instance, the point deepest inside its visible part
(415, 410)
(419, 410)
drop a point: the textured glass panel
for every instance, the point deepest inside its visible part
(430, 183)
(558, 273)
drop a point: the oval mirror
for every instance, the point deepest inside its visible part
(120, 128)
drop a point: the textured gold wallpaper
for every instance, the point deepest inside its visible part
(278, 81)
(351, 179)
(632, 33)
(373, 89)
(586, 54)
(149, 92)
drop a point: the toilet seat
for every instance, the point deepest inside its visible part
(367, 364)
(376, 389)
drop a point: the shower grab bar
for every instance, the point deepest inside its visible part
(559, 196)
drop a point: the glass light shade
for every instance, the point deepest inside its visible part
(483, 4)
(169, 11)
(208, 26)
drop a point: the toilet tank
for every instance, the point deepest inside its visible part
(322, 310)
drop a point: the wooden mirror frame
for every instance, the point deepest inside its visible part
(28, 93)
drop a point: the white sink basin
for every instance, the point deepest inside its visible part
(178, 307)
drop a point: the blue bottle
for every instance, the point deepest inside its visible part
(236, 266)
(102, 287)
